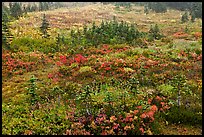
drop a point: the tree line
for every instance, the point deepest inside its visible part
(195, 8)
(14, 10)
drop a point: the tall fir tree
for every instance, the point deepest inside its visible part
(44, 27)
(41, 6)
(58, 42)
(6, 34)
(146, 9)
(193, 16)
(184, 17)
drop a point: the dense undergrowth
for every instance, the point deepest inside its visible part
(103, 91)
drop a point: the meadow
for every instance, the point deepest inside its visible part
(94, 79)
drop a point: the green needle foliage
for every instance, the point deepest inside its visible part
(16, 9)
(44, 27)
(6, 34)
(105, 33)
(184, 17)
(154, 32)
(180, 86)
(193, 16)
(85, 101)
(32, 91)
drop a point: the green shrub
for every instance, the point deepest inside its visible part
(85, 69)
(128, 70)
(131, 52)
(65, 70)
(85, 72)
(182, 115)
(146, 53)
(120, 55)
(18, 120)
(198, 51)
(117, 46)
(27, 44)
(166, 40)
(166, 90)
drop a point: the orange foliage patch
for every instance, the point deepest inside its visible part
(198, 35)
(180, 35)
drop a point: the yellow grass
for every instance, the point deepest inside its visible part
(66, 18)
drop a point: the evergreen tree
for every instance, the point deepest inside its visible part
(186, 29)
(151, 29)
(4, 29)
(155, 32)
(146, 10)
(5, 9)
(28, 8)
(158, 7)
(93, 27)
(33, 8)
(85, 29)
(44, 27)
(73, 37)
(196, 8)
(15, 10)
(10, 5)
(156, 29)
(6, 34)
(184, 17)
(63, 39)
(46, 6)
(193, 16)
(41, 6)
(24, 9)
(58, 39)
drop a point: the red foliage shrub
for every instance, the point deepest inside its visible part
(198, 35)
(180, 35)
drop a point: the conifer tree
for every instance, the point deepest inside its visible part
(44, 27)
(85, 29)
(5, 9)
(58, 40)
(146, 10)
(155, 32)
(193, 16)
(46, 6)
(24, 9)
(186, 29)
(6, 34)
(28, 8)
(15, 9)
(158, 7)
(41, 6)
(93, 27)
(197, 9)
(184, 17)
(33, 8)
(151, 29)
